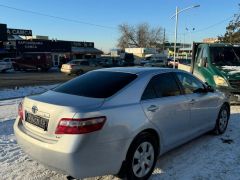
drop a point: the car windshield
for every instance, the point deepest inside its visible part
(225, 56)
(97, 84)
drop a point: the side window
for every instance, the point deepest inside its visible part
(190, 84)
(78, 62)
(149, 92)
(205, 54)
(162, 85)
(199, 55)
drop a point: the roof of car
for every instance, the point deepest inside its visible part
(139, 70)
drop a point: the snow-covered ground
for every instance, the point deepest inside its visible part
(24, 91)
(207, 157)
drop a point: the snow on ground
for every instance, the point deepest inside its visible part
(207, 157)
(232, 69)
(24, 91)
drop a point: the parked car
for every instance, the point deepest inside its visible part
(78, 66)
(184, 64)
(33, 61)
(143, 62)
(171, 63)
(118, 120)
(156, 60)
(5, 64)
(155, 63)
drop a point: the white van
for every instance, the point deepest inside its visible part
(156, 60)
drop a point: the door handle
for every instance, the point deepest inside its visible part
(152, 108)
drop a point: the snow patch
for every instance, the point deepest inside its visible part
(232, 69)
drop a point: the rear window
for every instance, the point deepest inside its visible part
(97, 84)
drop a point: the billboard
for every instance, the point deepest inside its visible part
(20, 32)
(43, 46)
(3, 32)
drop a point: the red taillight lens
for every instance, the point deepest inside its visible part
(20, 110)
(80, 126)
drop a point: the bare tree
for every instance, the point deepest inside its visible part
(232, 34)
(141, 35)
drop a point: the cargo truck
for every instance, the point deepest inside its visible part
(218, 64)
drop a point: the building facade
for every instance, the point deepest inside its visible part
(15, 42)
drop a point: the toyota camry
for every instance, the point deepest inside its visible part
(118, 120)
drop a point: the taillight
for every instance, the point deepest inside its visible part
(80, 126)
(20, 110)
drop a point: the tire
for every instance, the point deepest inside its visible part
(141, 157)
(222, 120)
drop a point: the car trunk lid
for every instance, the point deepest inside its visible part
(42, 113)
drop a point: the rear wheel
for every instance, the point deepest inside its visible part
(141, 158)
(222, 120)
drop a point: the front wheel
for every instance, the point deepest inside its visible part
(142, 157)
(222, 120)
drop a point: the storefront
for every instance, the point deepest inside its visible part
(19, 41)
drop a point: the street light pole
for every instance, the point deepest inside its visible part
(176, 28)
(175, 37)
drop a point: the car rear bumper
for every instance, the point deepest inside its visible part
(88, 159)
(66, 71)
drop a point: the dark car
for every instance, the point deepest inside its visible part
(33, 61)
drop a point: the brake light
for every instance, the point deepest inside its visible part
(20, 110)
(80, 126)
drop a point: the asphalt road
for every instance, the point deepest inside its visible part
(20, 79)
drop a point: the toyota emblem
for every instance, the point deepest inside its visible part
(34, 109)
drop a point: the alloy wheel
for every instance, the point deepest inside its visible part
(143, 159)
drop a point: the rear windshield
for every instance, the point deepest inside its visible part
(97, 84)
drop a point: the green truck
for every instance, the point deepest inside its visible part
(218, 64)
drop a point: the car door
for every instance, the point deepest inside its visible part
(203, 105)
(85, 66)
(167, 108)
(202, 66)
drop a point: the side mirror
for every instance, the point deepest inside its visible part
(209, 88)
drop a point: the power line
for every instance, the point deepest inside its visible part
(98, 25)
(213, 25)
(57, 17)
(206, 28)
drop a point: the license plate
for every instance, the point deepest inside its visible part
(37, 121)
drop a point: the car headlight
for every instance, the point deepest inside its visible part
(220, 81)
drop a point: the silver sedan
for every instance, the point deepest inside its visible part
(118, 120)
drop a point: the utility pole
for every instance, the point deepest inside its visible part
(164, 37)
(176, 27)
